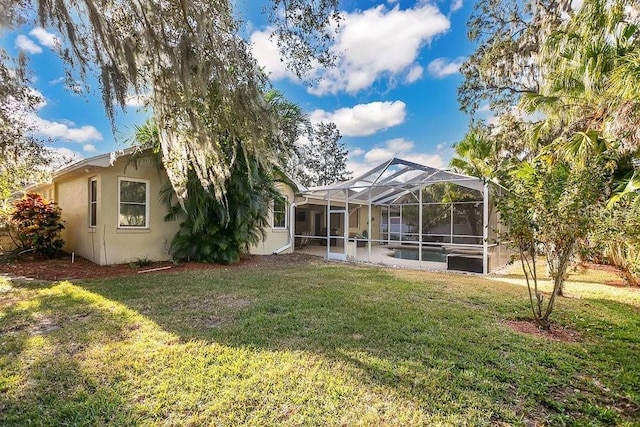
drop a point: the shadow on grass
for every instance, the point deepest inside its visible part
(437, 346)
(43, 379)
(441, 347)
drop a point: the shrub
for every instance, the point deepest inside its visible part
(37, 224)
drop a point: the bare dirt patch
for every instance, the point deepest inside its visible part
(63, 269)
(555, 333)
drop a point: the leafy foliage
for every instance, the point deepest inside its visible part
(548, 209)
(37, 224)
(188, 59)
(563, 81)
(24, 159)
(221, 231)
(509, 36)
(324, 157)
(616, 238)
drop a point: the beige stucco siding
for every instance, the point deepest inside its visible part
(276, 238)
(363, 222)
(72, 195)
(122, 244)
(109, 242)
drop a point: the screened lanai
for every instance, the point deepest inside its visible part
(405, 214)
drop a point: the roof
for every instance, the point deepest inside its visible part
(102, 160)
(392, 179)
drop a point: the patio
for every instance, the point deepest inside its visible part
(379, 255)
(405, 214)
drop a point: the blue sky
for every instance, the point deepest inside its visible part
(393, 92)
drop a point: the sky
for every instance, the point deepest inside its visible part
(392, 92)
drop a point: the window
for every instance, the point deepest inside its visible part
(279, 212)
(354, 218)
(93, 202)
(133, 202)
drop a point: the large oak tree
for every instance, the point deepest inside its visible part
(182, 54)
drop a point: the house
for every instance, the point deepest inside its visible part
(114, 215)
(393, 214)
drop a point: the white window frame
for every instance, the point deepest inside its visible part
(146, 210)
(93, 202)
(273, 214)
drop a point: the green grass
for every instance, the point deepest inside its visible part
(309, 344)
(580, 283)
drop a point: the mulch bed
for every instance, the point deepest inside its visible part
(63, 269)
(555, 333)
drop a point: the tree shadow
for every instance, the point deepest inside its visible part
(449, 357)
(44, 340)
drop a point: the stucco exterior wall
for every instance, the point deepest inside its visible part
(120, 244)
(72, 195)
(277, 238)
(107, 243)
(363, 221)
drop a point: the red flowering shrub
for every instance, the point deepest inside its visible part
(37, 224)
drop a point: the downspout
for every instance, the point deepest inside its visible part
(292, 224)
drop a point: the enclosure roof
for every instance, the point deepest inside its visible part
(392, 179)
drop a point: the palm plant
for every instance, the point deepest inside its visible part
(214, 229)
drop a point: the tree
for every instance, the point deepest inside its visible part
(577, 71)
(324, 157)
(24, 159)
(615, 238)
(213, 230)
(509, 36)
(476, 154)
(592, 77)
(548, 208)
(182, 54)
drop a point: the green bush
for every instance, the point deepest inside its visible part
(37, 224)
(221, 232)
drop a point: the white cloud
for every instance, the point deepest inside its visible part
(443, 67)
(25, 44)
(56, 81)
(66, 131)
(42, 101)
(136, 100)
(398, 147)
(356, 152)
(363, 119)
(456, 5)
(45, 38)
(265, 50)
(392, 148)
(63, 156)
(379, 42)
(372, 44)
(89, 148)
(415, 73)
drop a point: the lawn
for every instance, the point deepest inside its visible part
(310, 343)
